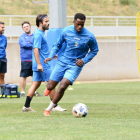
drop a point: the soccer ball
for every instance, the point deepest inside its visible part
(80, 110)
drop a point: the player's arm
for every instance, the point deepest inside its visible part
(36, 53)
(93, 46)
(55, 57)
(55, 48)
(49, 59)
(5, 43)
(24, 44)
(37, 46)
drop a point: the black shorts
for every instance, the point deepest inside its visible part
(3, 65)
(26, 69)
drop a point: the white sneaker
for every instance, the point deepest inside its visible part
(26, 109)
(22, 94)
(58, 108)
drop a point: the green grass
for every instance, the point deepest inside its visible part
(88, 7)
(113, 114)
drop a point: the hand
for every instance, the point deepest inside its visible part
(47, 59)
(79, 62)
(55, 57)
(39, 67)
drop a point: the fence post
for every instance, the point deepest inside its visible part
(10, 21)
(91, 21)
(117, 27)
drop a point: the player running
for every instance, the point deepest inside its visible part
(81, 47)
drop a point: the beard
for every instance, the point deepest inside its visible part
(45, 28)
(1, 32)
(28, 32)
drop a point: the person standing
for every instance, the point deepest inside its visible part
(81, 47)
(3, 60)
(26, 46)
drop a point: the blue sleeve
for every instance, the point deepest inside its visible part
(93, 46)
(24, 44)
(6, 42)
(57, 46)
(37, 41)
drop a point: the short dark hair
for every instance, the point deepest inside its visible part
(40, 18)
(25, 22)
(1, 22)
(79, 16)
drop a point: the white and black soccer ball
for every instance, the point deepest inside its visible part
(80, 110)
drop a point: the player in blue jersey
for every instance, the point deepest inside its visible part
(3, 60)
(81, 47)
(41, 71)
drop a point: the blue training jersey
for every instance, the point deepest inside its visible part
(79, 45)
(26, 46)
(3, 45)
(40, 42)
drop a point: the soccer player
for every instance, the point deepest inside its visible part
(41, 71)
(26, 46)
(81, 47)
(3, 60)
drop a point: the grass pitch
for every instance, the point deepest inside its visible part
(114, 114)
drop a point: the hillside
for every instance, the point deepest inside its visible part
(88, 7)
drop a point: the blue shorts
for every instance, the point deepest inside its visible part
(42, 76)
(3, 65)
(69, 72)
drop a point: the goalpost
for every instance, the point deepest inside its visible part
(138, 39)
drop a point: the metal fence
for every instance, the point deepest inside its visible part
(101, 26)
(16, 20)
(107, 20)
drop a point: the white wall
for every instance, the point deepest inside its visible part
(114, 61)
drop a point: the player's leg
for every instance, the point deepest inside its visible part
(33, 88)
(52, 94)
(60, 92)
(50, 86)
(70, 76)
(61, 89)
(30, 73)
(56, 76)
(56, 107)
(58, 95)
(37, 78)
(3, 70)
(22, 85)
(2, 75)
(30, 95)
(26, 71)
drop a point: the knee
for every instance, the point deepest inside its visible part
(2, 76)
(62, 87)
(50, 86)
